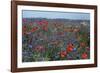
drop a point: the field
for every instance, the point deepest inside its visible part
(55, 39)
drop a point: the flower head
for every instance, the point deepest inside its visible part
(39, 48)
(24, 27)
(69, 47)
(34, 29)
(31, 23)
(45, 28)
(63, 54)
(84, 56)
(44, 22)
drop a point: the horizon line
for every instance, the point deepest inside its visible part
(54, 18)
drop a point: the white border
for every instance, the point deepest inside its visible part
(52, 63)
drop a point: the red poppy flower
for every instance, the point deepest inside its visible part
(38, 22)
(31, 23)
(24, 28)
(44, 22)
(45, 28)
(63, 54)
(70, 47)
(84, 56)
(39, 48)
(34, 29)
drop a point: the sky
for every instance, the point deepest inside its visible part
(55, 15)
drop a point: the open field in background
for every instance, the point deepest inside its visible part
(55, 39)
